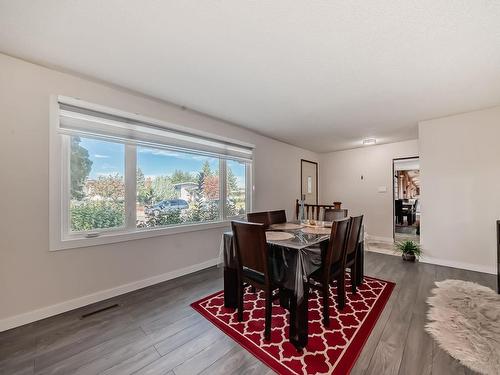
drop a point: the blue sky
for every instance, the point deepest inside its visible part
(108, 158)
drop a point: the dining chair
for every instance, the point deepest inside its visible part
(404, 209)
(351, 248)
(262, 218)
(253, 266)
(332, 214)
(398, 208)
(332, 268)
(277, 217)
(259, 217)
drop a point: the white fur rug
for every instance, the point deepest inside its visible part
(465, 321)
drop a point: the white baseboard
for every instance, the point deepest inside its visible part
(369, 237)
(382, 251)
(460, 265)
(45, 312)
(430, 260)
(385, 240)
(441, 262)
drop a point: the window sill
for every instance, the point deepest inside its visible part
(114, 237)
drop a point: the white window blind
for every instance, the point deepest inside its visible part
(77, 120)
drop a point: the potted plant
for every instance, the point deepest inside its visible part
(409, 250)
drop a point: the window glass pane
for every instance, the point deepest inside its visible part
(175, 188)
(236, 188)
(97, 188)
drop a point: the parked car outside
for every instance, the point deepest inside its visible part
(166, 206)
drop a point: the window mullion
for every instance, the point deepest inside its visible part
(248, 187)
(223, 189)
(130, 186)
(65, 186)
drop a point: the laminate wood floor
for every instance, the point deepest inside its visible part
(155, 331)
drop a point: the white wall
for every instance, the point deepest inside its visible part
(460, 200)
(33, 278)
(341, 173)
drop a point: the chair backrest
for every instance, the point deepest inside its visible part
(259, 217)
(251, 246)
(354, 233)
(277, 217)
(398, 205)
(315, 211)
(336, 251)
(334, 214)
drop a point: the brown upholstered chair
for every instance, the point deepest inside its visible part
(253, 266)
(334, 214)
(259, 217)
(333, 267)
(352, 246)
(277, 217)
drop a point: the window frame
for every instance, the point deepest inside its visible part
(60, 235)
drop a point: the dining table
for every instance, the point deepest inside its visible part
(292, 259)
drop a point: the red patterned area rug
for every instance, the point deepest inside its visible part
(329, 351)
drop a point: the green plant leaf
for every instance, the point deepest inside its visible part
(408, 247)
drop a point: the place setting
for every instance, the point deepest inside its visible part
(286, 226)
(278, 236)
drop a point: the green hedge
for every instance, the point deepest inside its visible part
(165, 218)
(89, 215)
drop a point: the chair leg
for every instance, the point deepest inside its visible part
(269, 309)
(326, 299)
(284, 298)
(341, 291)
(354, 277)
(240, 302)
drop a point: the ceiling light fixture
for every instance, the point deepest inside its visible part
(369, 141)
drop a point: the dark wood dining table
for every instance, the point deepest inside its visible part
(292, 261)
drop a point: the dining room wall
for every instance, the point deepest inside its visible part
(460, 199)
(361, 179)
(35, 282)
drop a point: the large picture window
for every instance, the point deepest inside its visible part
(124, 177)
(176, 188)
(97, 186)
(236, 188)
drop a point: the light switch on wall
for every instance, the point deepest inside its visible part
(382, 189)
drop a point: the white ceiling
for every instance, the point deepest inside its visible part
(318, 74)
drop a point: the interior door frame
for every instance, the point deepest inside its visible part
(317, 177)
(394, 193)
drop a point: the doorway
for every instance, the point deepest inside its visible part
(309, 181)
(406, 199)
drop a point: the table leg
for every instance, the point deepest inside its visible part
(299, 319)
(360, 260)
(230, 287)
